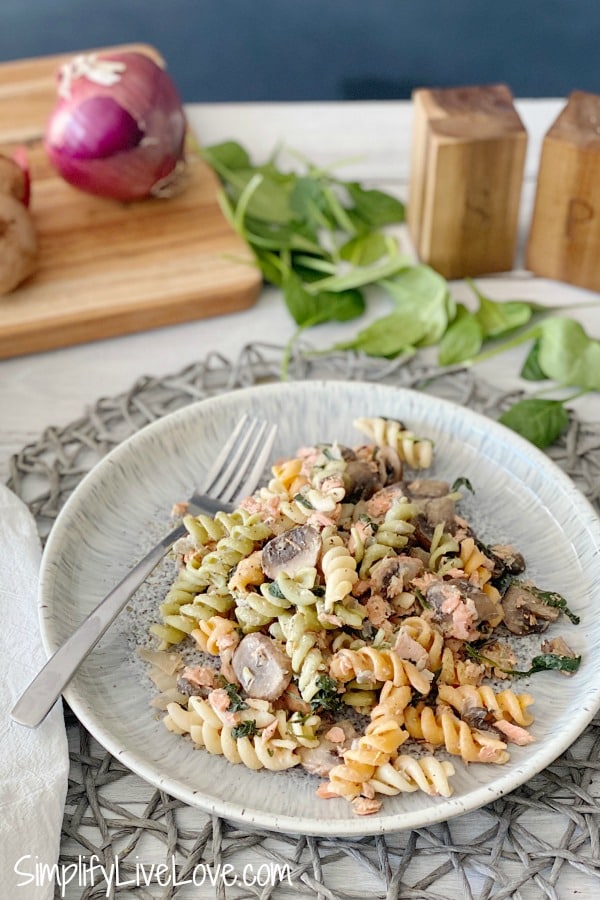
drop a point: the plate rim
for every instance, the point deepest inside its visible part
(352, 826)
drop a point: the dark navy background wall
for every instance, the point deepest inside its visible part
(236, 50)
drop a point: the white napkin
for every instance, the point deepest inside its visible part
(34, 763)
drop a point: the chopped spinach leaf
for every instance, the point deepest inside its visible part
(244, 729)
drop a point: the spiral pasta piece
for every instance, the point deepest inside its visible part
(381, 739)
(393, 701)
(306, 657)
(304, 729)
(200, 589)
(369, 665)
(396, 527)
(253, 610)
(407, 774)
(443, 729)
(475, 564)
(373, 552)
(276, 752)
(442, 546)
(288, 479)
(180, 612)
(215, 634)
(213, 601)
(459, 671)
(422, 724)
(392, 535)
(416, 452)
(427, 636)
(205, 529)
(339, 571)
(240, 542)
(505, 704)
(199, 721)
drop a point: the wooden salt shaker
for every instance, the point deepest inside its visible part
(468, 156)
(564, 241)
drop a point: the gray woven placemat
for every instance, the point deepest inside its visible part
(540, 841)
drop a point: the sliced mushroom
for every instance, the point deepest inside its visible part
(263, 669)
(391, 575)
(434, 502)
(347, 453)
(480, 719)
(440, 510)
(423, 533)
(524, 613)
(188, 689)
(291, 551)
(361, 481)
(428, 487)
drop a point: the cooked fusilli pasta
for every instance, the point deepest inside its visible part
(343, 586)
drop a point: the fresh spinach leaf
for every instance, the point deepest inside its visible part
(552, 598)
(462, 482)
(327, 696)
(235, 701)
(308, 308)
(389, 336)
(320, 240)
(540, 421)
(568, 355)
(463, 338)
(359, 276)
(373, 207)
(226, 156)
(308, 203)
(547, 662)
(364, 249)
(531, 370)
(422, 294)
(498, 317)
(244, 729)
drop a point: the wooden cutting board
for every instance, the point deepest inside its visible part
(108, 268)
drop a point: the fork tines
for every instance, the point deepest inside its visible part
(242, 460)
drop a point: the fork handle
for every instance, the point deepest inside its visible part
(40, 696)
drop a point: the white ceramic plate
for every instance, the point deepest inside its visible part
(521, 497)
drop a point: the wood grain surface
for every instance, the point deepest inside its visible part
(108, 268)
(468, 158)
(564, 240)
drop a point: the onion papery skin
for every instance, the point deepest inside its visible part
(121, 140)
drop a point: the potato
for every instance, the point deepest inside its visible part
(18, 243)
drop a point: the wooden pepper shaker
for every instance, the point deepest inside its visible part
(468, 156)
(564, 240)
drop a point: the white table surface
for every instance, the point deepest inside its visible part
(54, 388)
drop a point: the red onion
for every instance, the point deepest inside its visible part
(118, 129)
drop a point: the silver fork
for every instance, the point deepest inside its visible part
(234, 474)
